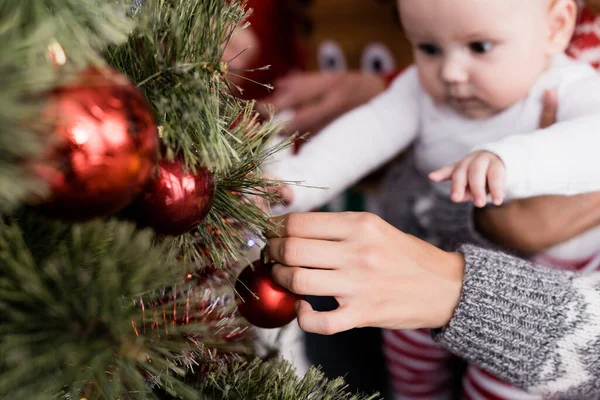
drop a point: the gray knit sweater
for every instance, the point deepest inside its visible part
(533, 327)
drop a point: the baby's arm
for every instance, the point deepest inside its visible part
(560, 160)
(352, 146)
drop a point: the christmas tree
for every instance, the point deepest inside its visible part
(127, 170)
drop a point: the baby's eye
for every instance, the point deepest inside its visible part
(481, 47)
(429, 49)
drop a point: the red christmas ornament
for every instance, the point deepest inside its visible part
(175, 201)
(105, 149)
(274, 307)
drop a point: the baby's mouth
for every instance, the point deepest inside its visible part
(463, 101)
(466, 103)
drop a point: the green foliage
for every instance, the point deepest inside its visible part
(102, 310)
(233, 214)
(275, 380)
(68, 312)
(174, 56)
(70, 322)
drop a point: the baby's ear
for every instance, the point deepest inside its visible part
(562, 19)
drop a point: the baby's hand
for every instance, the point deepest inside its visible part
(473, 177)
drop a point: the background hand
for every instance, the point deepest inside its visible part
(318, 98)
(241, 53)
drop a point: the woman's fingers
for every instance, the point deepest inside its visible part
(325, 323)
(323, 226)
(315, 282)
(300, 252)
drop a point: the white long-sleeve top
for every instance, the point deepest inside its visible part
(562, 159)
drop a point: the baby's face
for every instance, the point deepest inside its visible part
(478, 56)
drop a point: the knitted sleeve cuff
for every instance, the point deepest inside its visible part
(510, 317)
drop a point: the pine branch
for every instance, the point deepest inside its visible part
(20, 138)
(235, 216)
(175, 57)
(275, 380)
(70, 324)
(82, 27)
(238, 188)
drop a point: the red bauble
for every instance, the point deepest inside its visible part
(274, 307)
(175, 201)
(105, 146)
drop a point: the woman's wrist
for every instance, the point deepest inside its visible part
(454, 271)
(450, 268)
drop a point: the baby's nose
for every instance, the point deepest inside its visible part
(454, 71)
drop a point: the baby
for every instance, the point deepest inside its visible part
(481, 69)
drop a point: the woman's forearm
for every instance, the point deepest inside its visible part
(535, 328)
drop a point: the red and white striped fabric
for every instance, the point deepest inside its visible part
(480, 385)
(417, 366)
(585, 265)
(585, 45)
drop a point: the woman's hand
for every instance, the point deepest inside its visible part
(380, 276)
